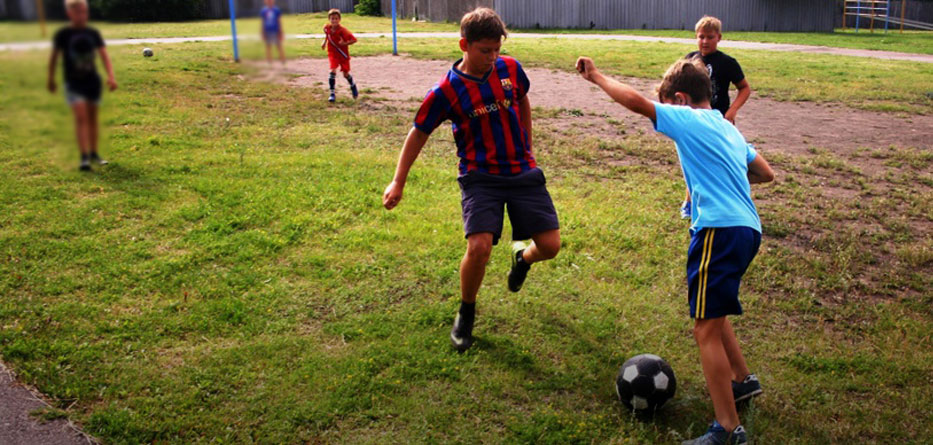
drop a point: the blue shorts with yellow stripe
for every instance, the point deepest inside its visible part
(716, 261)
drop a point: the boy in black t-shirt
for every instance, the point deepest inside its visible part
(78, 43)
(723, 71)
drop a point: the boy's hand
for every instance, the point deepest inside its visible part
(392, 195)
(51, 86)
(730, 115)
(323, 44)
(587, 69)
(112, 84)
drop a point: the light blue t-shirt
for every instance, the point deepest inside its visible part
(714, 158)
(270, 18)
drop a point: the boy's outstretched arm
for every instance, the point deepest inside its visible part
(52, 61)
(618, 91)
(111, 79)
(759, 171)
(413, 145)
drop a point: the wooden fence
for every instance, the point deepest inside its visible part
(737, 15)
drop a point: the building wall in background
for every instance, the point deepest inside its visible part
(737, 15)
(217, 9)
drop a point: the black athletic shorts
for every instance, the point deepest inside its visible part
(485, 197)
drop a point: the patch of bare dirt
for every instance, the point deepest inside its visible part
(784, 127)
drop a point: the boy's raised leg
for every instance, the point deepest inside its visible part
(356, 92)
(544, 246)
(472, 271)
(717, 370)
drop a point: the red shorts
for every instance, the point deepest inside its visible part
(339, 61)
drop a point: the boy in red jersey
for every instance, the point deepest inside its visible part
(485, 98)
(337, 40)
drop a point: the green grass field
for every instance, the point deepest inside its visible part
(232, 277)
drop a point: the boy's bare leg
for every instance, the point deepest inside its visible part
(473, 265)
(544, 246)
(92, 128)
(269, 52)
(80, 110)
(734, 352)
(716, 369)
(281, 52)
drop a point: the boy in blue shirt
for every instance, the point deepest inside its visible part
(272, 29)
(718, 166)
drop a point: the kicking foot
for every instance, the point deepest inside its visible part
(750, 387)
(356, 92)
(461, 336)
(717, 435)
(519, 267)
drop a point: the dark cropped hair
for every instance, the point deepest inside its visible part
(688, 76)
(482, 23)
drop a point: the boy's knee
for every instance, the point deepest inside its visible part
(479, 248)
(550, 248)
(707, 330)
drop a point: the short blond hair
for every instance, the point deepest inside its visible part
(335, 12)
(708, 23)
(70, 3)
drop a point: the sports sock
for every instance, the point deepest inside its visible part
(467, 311)
(85, 157)
(350, 80)
(332, 81)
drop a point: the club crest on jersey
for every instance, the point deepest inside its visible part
(507, 84)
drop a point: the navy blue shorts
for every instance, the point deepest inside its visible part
(484, 198)
(716, 261)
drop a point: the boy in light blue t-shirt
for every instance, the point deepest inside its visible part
(718, 166)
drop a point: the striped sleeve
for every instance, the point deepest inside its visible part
(523, 83)
(434, 110)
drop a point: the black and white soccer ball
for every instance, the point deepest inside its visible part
(645, 382)
(147, 52)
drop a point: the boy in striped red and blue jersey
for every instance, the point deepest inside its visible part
(484, 95)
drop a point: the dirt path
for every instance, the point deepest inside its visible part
(18, 427)
(787, 127)
(783, 47)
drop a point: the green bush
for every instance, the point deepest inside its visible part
(149, 10)
(368, 7)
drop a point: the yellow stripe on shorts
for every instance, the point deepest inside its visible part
(704, 272)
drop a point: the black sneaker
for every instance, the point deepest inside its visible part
(461, 336)
(519, 268)
(95, 158)
(85, 165)
(750, 387)
(332, 98)
(356, 92)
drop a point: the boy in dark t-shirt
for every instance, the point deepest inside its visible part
(78, 43)
(723, 70)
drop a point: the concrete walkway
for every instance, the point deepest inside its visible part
(783, 47)
(18, 427)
